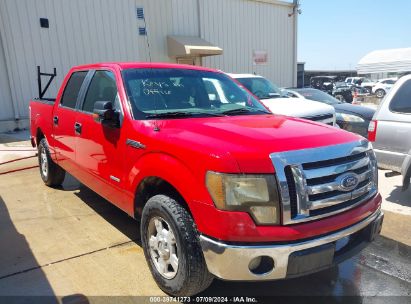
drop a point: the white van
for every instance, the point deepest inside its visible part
(390, 131)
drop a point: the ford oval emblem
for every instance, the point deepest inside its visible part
(348, 181)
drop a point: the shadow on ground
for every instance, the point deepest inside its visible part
(16, 259)
(333, 283)
(400, 197)
(14, 137)
(113, 215)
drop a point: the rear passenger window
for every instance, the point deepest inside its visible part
(401, 102)
(72, 89)
(102, 88)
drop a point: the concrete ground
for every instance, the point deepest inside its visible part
(16, 152)
(71, 243)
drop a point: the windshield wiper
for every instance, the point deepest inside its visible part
(271, 96)
(244, 111)
(169, 115)
(182, 114)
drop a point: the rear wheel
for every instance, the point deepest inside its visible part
(51, 173)
(172, 248)
(380, 93)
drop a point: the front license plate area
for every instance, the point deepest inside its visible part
(310, 260)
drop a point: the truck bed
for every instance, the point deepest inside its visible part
(41, 112)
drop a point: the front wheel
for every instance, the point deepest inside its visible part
(172, 248)
(380, 93)
(51, 173)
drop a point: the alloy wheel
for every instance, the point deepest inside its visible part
(163, 247)
(43, 161)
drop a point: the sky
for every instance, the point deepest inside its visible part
(336, 34)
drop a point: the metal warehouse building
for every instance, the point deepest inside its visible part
(238, 36)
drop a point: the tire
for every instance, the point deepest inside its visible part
(51, 173)
(340, 98)
(178, 238)
(380, 93)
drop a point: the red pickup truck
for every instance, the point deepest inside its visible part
(221, 187)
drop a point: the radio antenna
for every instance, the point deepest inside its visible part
(144, 31)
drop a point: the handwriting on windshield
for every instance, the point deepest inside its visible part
(158, 87)
(156, 92)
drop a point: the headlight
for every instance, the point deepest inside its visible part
(255, 194)
(349, 118)
(374, 166)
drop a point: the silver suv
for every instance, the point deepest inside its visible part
(390, 130)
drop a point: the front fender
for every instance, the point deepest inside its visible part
(190, 183)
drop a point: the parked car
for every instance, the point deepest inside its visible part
(323, 83)
(353, 80)
(391, 128)
(220, 189)
(272, 97)
(382, 86)
(332, 86)
(349, 117)
(342, 92)
(360, 81)
(359, 93)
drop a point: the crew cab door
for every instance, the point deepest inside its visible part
(99, 148)
(64, 117)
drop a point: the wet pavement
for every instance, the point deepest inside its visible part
(71, 243)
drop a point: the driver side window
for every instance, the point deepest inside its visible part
(102, 88)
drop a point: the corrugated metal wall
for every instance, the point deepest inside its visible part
(85, 31)
(167, 17)
(80, 32)
(6, 104)
(241, 26)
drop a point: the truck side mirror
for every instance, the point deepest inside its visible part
(105, 114)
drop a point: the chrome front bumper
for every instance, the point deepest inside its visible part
(231, 262)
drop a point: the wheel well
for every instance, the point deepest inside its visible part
(39, 136)
(152, 186)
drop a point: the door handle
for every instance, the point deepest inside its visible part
(56, 120)
(77, 128)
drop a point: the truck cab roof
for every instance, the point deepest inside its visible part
(143, 65)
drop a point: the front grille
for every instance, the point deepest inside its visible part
(320, 182)
(291, 190)
(325, 118)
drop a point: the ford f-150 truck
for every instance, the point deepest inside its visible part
(220, 186)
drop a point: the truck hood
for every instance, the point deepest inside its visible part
(297, 107)
(247, 140)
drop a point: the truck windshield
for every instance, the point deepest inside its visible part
(261, 87)
(177, 93)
